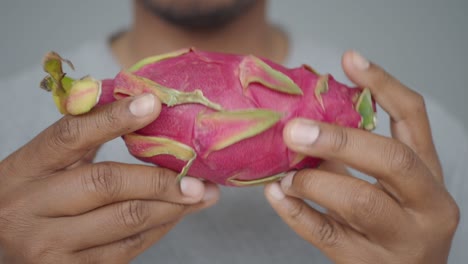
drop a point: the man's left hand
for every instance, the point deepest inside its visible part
(407, 216)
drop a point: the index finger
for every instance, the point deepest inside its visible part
(88, 187)
(394, 164)
(408, 115)
(69, 139)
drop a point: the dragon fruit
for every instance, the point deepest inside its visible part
(223, 114)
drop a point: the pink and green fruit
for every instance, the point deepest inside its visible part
(223, 114)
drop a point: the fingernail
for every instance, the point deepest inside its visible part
(360, 62)
(276, 192)
(304, 133)
(142, 105)
(211, 192)
(191, 187)
(286, 182)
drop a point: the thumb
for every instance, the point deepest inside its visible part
(72, 137)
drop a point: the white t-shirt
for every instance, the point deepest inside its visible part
(242, 227)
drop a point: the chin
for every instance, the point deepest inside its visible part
(198, 14)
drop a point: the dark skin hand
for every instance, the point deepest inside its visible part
(408, 216)
(58, 207)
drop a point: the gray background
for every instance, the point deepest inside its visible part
(422, 42)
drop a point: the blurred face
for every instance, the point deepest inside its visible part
(198, 14)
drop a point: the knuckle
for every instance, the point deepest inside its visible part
(365, 203)
(104, 179)
(327, 233)
(444, 219)
(384, 78)
(303, 182)
(110, 117)
(8, 166)
(176, 211)
(414, 104)
(455, 217)
(12, 217)
(339, 140)
(296, 211)
(20, 231)
(7, 223)
(400, 157)
(161, 183)
(5, 216)
(182, 209)
(452, 216)
(89, 258)
(39, 252)
(92, 257)
(417, 101)
(133, 214)
(66, 133)
(133, 243)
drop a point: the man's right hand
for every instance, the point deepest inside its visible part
(55, 208)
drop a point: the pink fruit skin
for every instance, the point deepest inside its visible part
(217, 75)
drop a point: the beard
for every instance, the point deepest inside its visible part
(202, 15)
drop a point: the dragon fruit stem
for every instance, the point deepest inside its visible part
(70, 96)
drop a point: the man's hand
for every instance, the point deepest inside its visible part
(55, 207)
(406, 217)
